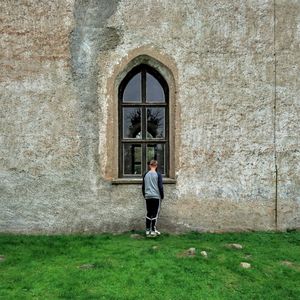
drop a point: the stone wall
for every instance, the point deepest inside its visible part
(235, 66)
(287, 124)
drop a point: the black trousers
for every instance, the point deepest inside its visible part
(152, 206)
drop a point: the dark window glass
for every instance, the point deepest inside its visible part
(156, 122)
(143, 126)
(157, 152)
(132, 159)
(132, 92)
(132, 123)
(154, 90)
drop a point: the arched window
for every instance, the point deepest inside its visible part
(143, 121)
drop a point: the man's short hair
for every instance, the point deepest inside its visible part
(153, 162)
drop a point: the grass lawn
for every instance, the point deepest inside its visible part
(121, 267)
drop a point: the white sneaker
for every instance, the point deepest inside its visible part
(148, 232)
(157, 232)
(153, 234)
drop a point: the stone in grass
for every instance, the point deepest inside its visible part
(2, 258)
(290, 264)
(245, 265)
(191, 251)
(234, 246)
(203, 253)
(87, 266)
(287, 263)
(136, 236)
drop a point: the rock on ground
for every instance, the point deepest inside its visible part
(245, 265)
(191, 251)
(234, 246)
(136, 236)
(87, 266)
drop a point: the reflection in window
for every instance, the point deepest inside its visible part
(154, 90)
(157, 152)
(132, 122)
(132, 92)
(156, 122)
(132, 159)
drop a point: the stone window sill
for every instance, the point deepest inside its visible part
(139, 181)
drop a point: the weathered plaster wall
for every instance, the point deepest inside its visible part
(287, 45)
(236, 71)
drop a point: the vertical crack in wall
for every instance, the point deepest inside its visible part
(275, 119)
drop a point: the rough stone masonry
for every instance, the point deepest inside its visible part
(233, 69)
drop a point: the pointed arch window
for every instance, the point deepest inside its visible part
(143, 127)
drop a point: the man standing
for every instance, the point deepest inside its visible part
(153, 192)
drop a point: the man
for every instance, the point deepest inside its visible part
(153, 192)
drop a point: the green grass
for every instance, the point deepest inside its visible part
(48, 267)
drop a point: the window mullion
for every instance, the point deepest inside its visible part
(144, 158)
(144, 121)
(143, 101)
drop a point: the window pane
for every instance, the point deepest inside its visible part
(157, 152)
(155, 123)
(132, 123)
(132, 92)
(132, 159)
(154, 90)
